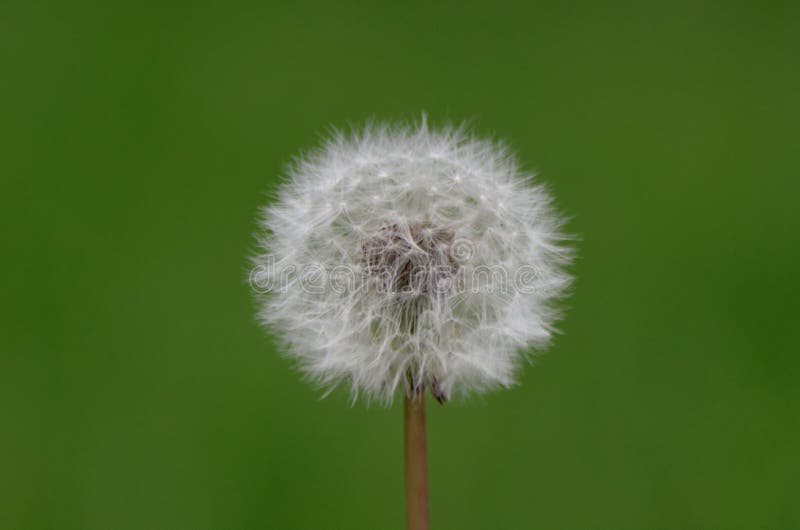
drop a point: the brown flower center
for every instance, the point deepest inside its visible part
(412, 259)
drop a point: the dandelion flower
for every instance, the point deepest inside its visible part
(405, 258)
(408, 258)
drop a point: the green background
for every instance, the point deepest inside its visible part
(138, 142)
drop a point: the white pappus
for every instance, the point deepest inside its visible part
(405, 257)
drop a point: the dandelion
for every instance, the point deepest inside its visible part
(403, 259)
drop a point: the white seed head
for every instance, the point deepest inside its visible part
(411, 258)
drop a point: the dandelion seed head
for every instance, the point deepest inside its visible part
(403, 258)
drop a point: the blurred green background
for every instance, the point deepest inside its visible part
(138, 142)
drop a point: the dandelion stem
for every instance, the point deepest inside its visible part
(416, 463)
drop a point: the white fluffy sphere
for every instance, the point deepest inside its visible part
(411, 258)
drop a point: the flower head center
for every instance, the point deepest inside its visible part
(411, 259)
